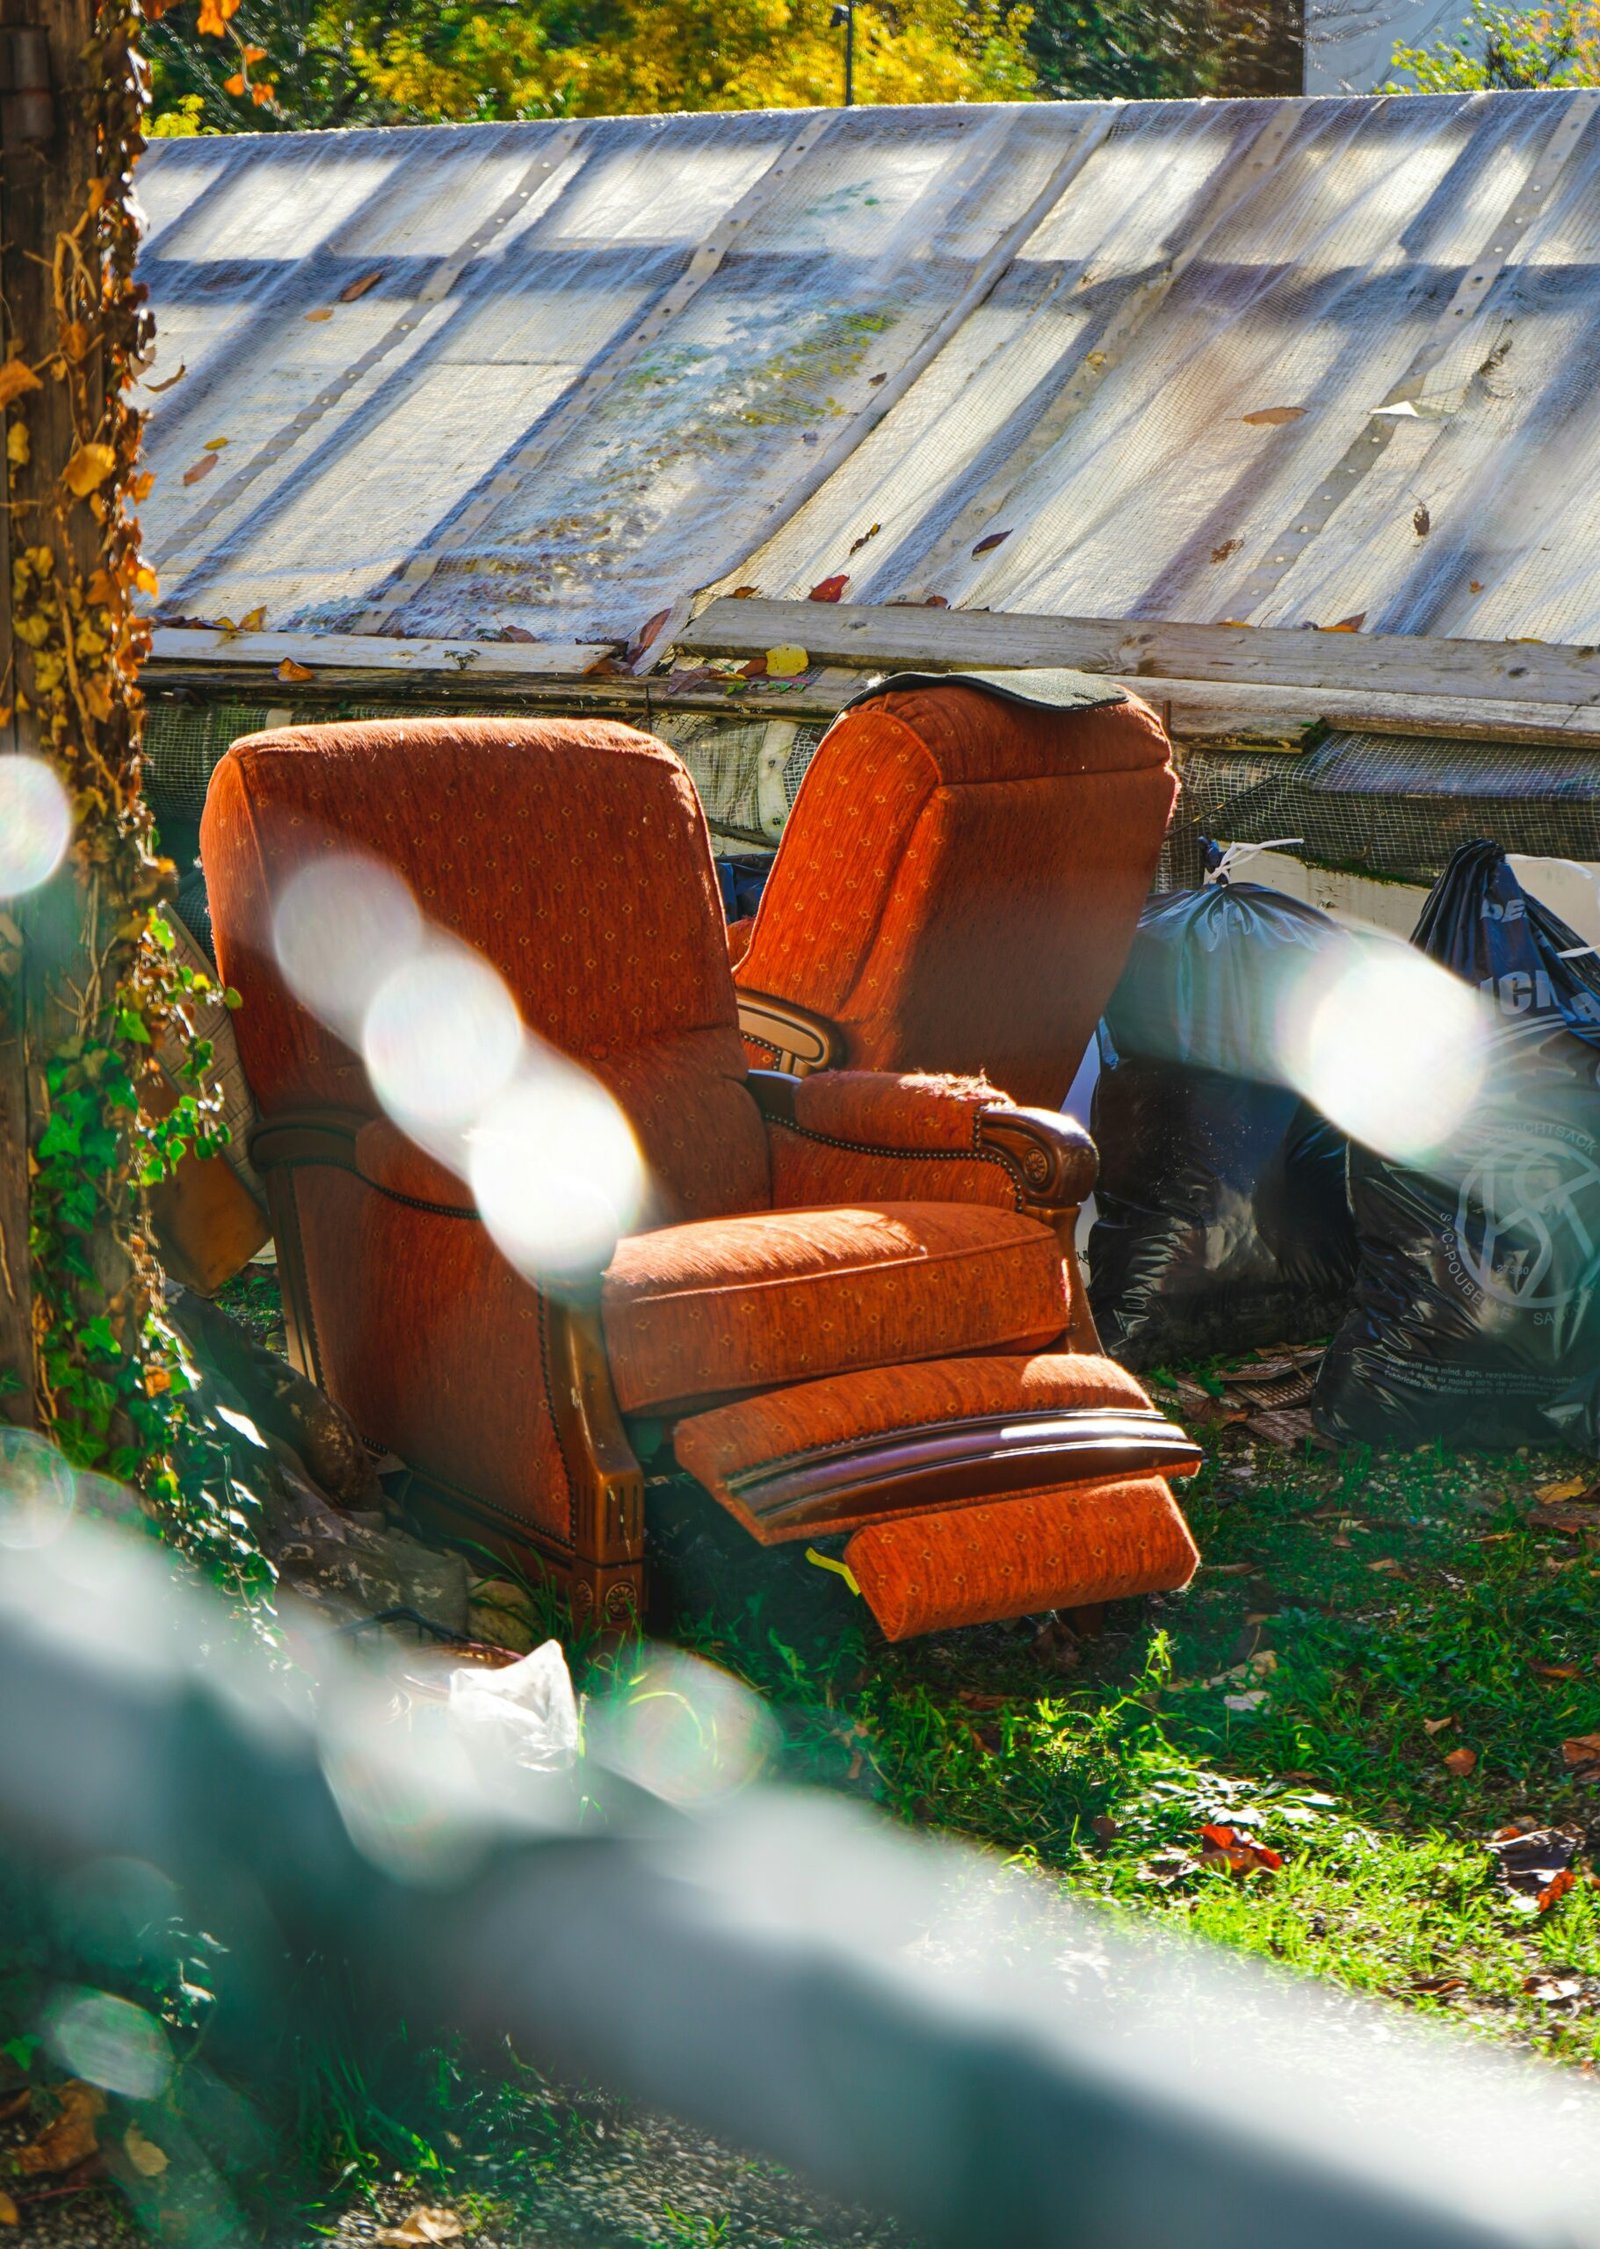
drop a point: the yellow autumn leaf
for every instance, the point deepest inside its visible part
(147, 2159)
(323, 312)
(289, 670)
(213, 445)
(74, 339)
(786, 662)
(18, 449)
(253, 620)
(16, 376)
(146, 580)
(88, 469)
(10, 2215)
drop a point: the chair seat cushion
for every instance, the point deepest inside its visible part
(722, 1306)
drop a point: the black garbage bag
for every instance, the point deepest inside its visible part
(1477, 1312)
(1221, 1215)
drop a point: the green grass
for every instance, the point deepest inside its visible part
(1384, 1594)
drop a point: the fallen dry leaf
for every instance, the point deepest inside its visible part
(147, 2159)
(1436, 1725)
(1474, 585)
(15, 2105)
(197, 469)
(289, 670)
(829, 589)
(353, 289)
(1581, 1750)
(1461, 1762)
(323, 312)
(213, 445)
(1270, 417)
(253, 620)
(871, 532)
(155, 389)
(88, 469)
(16, 376)
(72, 2136)
(1556, 1670)
(1437, 1984)
(1554, 1987)
(1565, 1487)
(786, 662)
(1421, 520)
(1348, 624)
(1556, 1887)
(995, 539)
(424, 2225)
(1226, 1846)
(10, 2215)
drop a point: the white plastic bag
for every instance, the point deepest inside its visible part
(526, 1713)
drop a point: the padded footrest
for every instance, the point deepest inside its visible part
(976, 1489)
(856, 1449)
(1058, 1549)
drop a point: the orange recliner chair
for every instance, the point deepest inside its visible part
(849, 1303)
(959, 882)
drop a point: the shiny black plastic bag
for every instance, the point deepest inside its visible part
(1477, 1314)
(1221, 1214)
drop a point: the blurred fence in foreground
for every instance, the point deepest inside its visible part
(908, 2025)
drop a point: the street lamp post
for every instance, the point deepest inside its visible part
(845, 13)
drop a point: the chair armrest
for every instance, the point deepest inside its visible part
(1055, 1158)
(884, 1120)
(798, 1041)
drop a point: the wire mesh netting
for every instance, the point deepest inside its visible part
(1388, 804)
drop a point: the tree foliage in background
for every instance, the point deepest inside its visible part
(1497, 50)
(1153, 50)
(299, 63)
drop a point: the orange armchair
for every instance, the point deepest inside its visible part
(848, 1304)
(957, 886)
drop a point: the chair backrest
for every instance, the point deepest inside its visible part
(572, 853)
(960, 879)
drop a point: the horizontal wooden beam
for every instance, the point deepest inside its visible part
(1141, 650)
(361, 653)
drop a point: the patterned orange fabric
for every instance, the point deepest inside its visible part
(433, 1344)
(387, 1158)
(756, 1431)
(959, 881)
(880, 1136)
(697, 1312)
(1060, 1548)
(572, 853)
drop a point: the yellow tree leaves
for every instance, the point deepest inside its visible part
(696, 54)
(16, 376)
(88, 469)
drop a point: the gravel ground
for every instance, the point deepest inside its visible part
(626, 2178)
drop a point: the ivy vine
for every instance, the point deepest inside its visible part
(112, 1385)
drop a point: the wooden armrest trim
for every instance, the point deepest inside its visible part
(800, 1042)
(1053, 1157)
